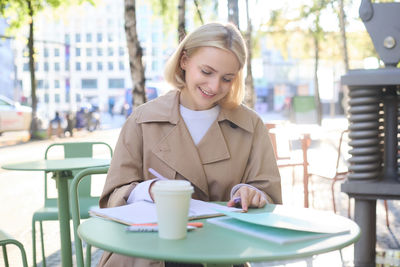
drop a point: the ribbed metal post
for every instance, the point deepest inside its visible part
(364, 106)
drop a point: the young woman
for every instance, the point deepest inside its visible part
(200, 132)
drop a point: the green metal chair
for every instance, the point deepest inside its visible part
(49, 212)
(76, 211)
(5, 240)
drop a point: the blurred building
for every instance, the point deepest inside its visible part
(6, 64)
(81, 55)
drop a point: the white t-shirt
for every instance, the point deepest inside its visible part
(199, 121)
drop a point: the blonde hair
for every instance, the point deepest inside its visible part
(223, 36)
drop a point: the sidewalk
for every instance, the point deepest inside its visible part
(17, 186)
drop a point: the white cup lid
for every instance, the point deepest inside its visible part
(172, 185)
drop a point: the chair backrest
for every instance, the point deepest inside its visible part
(73, 150)
(342, 155)
(5, 240)
(75, 208)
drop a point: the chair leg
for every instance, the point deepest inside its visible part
(387, 212)
(5, 256)
(333, 194)
(34, 242)
(42, 241)
(349, 208)
(88, 255)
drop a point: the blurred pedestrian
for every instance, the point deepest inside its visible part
(111, 103)
(55, 125)
(70, 124)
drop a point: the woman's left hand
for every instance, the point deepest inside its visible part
(249, 198)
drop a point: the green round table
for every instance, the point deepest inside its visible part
(211, 244)
(62, 169)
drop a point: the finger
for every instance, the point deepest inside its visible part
(243, 193)
(255, 200)
(262, 202)
(231, 202)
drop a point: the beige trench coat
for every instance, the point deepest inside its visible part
(236, 149)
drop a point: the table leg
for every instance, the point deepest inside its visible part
(365, 217)
(64, 220)
(305, 142)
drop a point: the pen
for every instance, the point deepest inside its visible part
(194, 224)
(156, 174)
(237, 201)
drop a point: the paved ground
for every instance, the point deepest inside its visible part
(19, 201)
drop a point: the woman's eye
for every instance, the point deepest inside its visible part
(205, 72)
(228, 80)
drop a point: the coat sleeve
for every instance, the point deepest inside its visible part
(262, 170)
(126, 169)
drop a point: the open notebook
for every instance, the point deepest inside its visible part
(284, 224)
(145, 211)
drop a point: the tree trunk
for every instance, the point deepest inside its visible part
(233, 12)
(34, 127)
(135, 54)
(342, 25)
(196, 3)
(181, 20)
(250, 94)
(316, 87)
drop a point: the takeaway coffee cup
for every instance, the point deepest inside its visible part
(172, 199)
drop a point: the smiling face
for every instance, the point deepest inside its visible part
(209, 74)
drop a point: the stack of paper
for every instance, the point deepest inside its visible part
(145, 212)
(284, 225)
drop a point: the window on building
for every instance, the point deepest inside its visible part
(66, 38)
(99, 37)
(56, 66)
(46, 98)
(26, 67)
(77, 66)
(89, 66)
(121, 65)
(110, 37)
(46, 84)
(116, 83)
(46, 66)
(89, 83)
(39, 84)
(121, 51)
(77, 38)
(88, 37)
(88, 52)
(57, 98)
(45, 52)
(99, 52)
(110, 66)
(67, 97)
(56, 83)
(56, 52)
(99, 66)
(77, 52)
(110, 51)
(67, 66)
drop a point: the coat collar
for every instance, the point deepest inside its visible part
(166, 109)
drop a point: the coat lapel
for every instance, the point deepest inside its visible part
(213, 147)
(178, 151)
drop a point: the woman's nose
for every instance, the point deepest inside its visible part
(214, 85)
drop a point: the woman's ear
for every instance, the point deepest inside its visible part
(183, 60)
